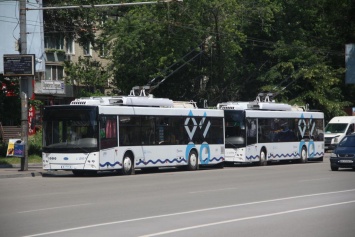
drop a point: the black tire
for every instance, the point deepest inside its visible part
(193, 161)
(127, 165)
(263, 160)
(303, 158)
(334, 168)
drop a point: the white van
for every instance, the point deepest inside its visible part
(336, 129)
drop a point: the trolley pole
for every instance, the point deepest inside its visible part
(24, 84)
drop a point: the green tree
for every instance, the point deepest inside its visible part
(228, 50)
(307, 56)
(87, 73)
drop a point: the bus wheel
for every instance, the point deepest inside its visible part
(193, 161)
(303, 155)
(127, 165)
(262, 161)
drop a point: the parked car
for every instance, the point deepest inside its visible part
(344, 154)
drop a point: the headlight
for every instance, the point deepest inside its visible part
(333, 155)
(336, 140)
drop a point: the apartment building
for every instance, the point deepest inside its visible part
(52, 88)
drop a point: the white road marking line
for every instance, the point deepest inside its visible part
(51, 208)
(212, 190)
(246, 218)
(187, 212)
(306, 180)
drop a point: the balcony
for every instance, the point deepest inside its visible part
(55, 55)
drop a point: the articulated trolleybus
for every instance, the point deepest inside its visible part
(125, 133)
(263, 131)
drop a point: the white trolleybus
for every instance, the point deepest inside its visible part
(263, 131)
(125, 133)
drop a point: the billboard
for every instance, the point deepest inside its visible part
(19, 65)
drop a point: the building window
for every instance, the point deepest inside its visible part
(103, 50)
(70, 46)
(87, 49)
(54, 72)
(54, 41)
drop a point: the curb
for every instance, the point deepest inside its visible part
(15, 173)
(21, 175)
(31, 165)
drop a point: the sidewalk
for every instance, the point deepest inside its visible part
(12, 171)
(34, 170)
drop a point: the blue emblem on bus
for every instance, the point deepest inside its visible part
(66, 158)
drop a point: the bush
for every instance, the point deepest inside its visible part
(35, 143)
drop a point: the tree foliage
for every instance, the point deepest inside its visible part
(89, 74)
(227, 50)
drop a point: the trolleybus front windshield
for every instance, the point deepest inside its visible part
(235, 128)
(70, 128)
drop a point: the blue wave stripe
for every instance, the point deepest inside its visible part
(252, 157)
(318, 154)
(161, 161)
(286, 155)
(217, 159)
(109, 164)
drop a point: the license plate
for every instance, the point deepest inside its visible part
(345, 161)
(66, 167)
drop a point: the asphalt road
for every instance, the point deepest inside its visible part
(276, 200)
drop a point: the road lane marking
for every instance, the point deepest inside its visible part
(212, 190)
(245, 219)
(186, 212)
(51, 208)
(306, 180)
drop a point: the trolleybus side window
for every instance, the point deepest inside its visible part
(130, 131)
(108, 131)
(163, 131)
(251, 131)
(214, 130)
(147, 130)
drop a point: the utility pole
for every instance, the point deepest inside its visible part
(24, 87)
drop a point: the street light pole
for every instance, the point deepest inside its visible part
(24, 84)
